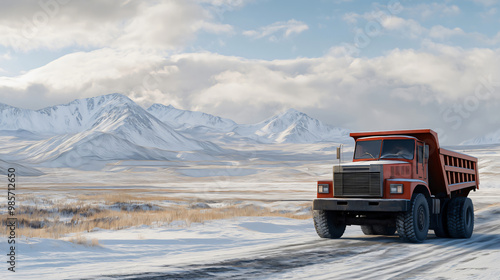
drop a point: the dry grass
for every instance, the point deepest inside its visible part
(81, 240)
(116, 211)
(120, 197)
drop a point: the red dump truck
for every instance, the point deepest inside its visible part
(399, 181)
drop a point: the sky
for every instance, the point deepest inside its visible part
(354, 64)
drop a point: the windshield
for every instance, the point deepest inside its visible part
(367, 149)
(391, 148)
(398, 148)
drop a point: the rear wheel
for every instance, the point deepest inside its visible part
(367, 229)
(413, 225)
(384, 230)
(441, 229)
(460, 217)
(378, 230)
(328, 224)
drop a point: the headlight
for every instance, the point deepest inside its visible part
(396, 188)
(323, 188)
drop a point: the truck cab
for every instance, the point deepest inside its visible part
(398, 180)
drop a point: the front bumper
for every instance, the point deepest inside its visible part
(362, 205)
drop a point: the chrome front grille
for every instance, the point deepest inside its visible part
(352, 182)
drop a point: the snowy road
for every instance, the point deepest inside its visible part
(356, 256)
(267, 248)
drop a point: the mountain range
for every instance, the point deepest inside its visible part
(114, 113)
(292, 126)
(184, 119)
(113, 127)
(490, 138)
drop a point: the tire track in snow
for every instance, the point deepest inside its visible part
(405, 267)
(352, 257)
(402, 264)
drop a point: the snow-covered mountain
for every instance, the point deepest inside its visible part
(113, 127)
(76, 116)
(490, 138)
(184, 119)
(160, 126)
(20, 169)
(292, 126)
(92, 148)
(114, 114)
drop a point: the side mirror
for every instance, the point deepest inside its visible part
(338, 152)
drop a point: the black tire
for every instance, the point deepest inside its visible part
(441, 229)
(384, 230)
(378, 230)
(327, 224)
(367, 229)
(460, 217)
(413, 225)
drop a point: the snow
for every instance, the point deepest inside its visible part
(291, 245)
(253, 247)
(292, 126)
(113, 113)
(112, 127)
(20, 169)
(490, 138)
(110, 144)
(160, 249)
(76, 116)
(184, 119)
(87, 148)
(104, 128)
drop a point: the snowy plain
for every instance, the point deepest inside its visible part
(176, 158)
(253, 247)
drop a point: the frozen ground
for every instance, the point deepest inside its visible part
(251, 247)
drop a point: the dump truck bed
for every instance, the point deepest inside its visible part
(460, 171)
(448, 171)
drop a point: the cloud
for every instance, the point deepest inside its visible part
(227, 3)
(431, 10)
(412, 29)
(5, 56)
(278, 30)
(385, 21)
(491, 12)
(381, 22)
(442, 32)
(134, 48)
(351, 18)
(486, 2)
(57, 24)
(402, 89)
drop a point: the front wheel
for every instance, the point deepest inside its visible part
(413, 225)
(328, 224)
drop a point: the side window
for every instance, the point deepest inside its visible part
(420, 154)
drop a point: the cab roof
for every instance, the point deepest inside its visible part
(427, 135)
